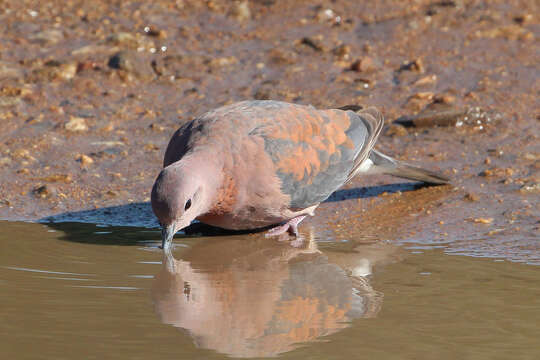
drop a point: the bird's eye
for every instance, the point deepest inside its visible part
(188, 205)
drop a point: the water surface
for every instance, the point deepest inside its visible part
(82, 291)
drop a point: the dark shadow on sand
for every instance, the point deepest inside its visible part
(135, 223)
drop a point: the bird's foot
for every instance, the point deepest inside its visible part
(290, 226)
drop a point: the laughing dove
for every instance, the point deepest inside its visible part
(256, 164)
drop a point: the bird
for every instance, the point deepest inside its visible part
(266, 164)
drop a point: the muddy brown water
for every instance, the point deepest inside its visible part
(84, 291)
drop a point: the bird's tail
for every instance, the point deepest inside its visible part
(383, 164)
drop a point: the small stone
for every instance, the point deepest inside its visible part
(76, 124)
(67, 71)
(342, 52)
(364, 65)
(414, 65)
(471, 197)
(530, 188)
(444, 99)
(282, 57)
(44, 191)
(131, 62)
(65, 178)
(328, 15)
(426, 80)
(23, 154)
(123, 38)
(108, 128)
(523, 19)
(240, 10)
(223, 61)
(483, 220)
(85, 160)
(436, 114)
(396, 130)
(156, 127)
(155, 32)
(427, 95)
(151, 147)
(313, 42)
(47, 37)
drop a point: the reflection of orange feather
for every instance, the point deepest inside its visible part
(314, 133)
(310, 322)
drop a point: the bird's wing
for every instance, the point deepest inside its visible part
(317, 151)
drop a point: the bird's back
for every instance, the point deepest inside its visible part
(310, 152)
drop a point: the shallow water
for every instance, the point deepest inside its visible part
(82, 291)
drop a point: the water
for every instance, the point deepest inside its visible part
(82, 291)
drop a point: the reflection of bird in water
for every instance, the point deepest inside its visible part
(246, 297)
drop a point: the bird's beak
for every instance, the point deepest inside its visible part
(167, 233)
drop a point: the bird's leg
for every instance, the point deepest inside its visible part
(290, 226)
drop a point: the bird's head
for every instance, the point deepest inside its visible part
(179, 195)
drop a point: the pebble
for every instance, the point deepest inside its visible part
(85, 160)
(426, 80)
(23, 154)
(416, 65)
(44, 191)
(223, 61)
(131, 62)
(154, 32)
(282, 57)
(156, 127)
(67, 71)
(365, 65)
(65, 178)
(313, 42)
(396, 130)
(471, 197)
(436, 114)
(328, 15)
(523, 19)
(483, 220)
(47, 37)
(76, 124)
(240, 11)
(342, 52)
(530, 188)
